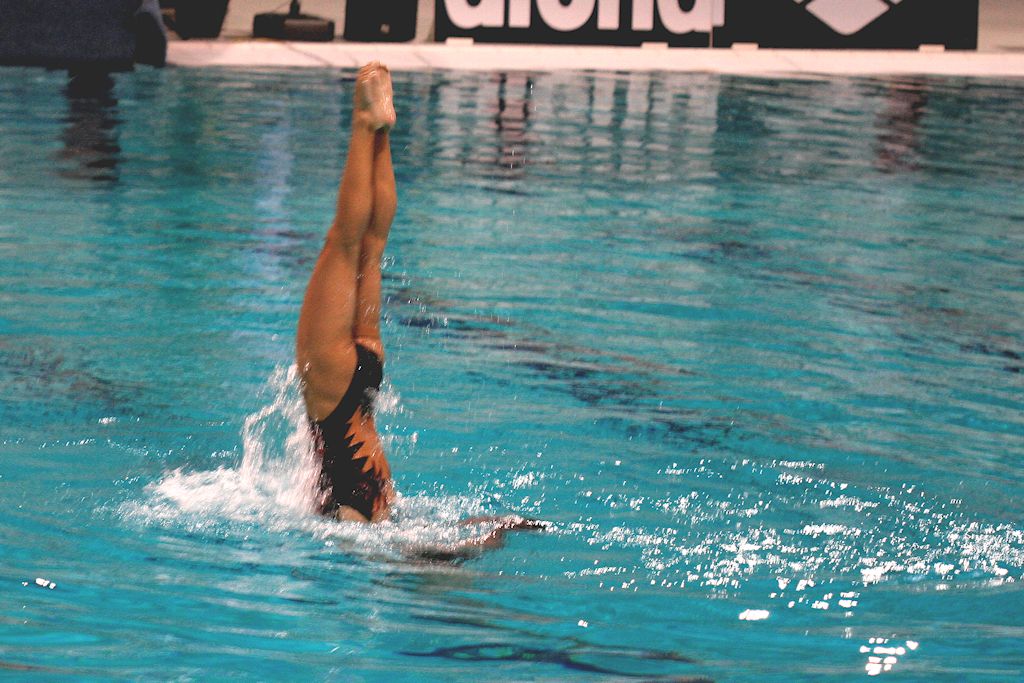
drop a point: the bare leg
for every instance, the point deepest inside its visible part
(325, 350)
(385, 202)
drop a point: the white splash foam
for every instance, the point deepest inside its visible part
(274, 488)
(275, 480)
(754, 614)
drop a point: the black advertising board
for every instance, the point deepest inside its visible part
(857, 24)
(861, 24)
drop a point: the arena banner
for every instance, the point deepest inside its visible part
(893, 24)
(680, 23)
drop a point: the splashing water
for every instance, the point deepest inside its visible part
(274, 483)
(275, 486)
(289, 478)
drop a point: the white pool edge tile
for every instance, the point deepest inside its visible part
(426, 56)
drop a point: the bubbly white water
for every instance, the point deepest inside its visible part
(274, 488)
(273, 484)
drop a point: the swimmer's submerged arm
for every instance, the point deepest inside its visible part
(349, 514)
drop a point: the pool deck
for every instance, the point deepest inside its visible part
(491, 57)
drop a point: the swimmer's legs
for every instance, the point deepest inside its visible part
(385, 203)
(325, 351)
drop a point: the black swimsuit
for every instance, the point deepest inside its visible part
(342, 477)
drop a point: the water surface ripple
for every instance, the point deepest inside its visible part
(753, 348)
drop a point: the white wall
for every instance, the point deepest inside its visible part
(1001, 26)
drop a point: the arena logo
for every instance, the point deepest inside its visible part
(847, 17)
(572, 15)
(812, 24)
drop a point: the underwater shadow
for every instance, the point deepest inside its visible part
(570, 658)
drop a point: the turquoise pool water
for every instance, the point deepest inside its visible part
(753, 347)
